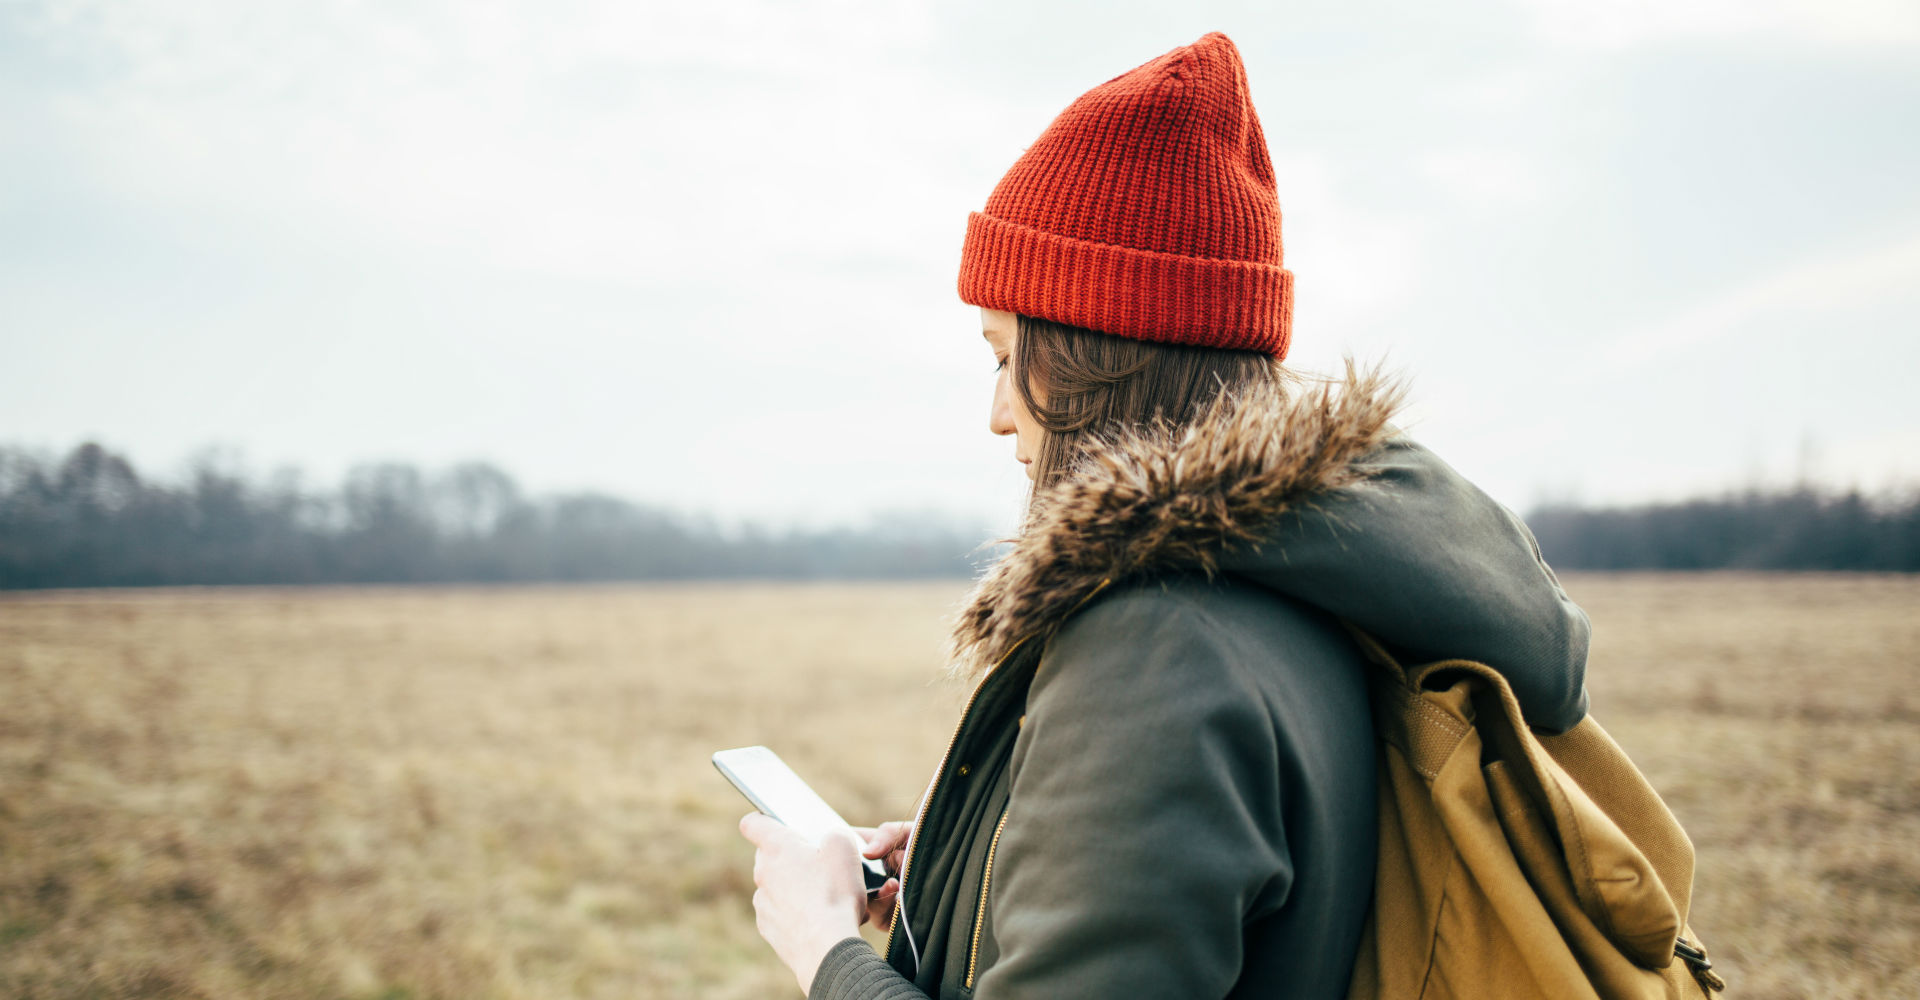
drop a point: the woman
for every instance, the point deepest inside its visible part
(1163, 784)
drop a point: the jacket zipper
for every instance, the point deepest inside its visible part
(940, 773)
(980, 912)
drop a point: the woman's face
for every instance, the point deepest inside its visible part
(1010, 415)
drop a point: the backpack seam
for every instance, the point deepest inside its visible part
(1433, 940)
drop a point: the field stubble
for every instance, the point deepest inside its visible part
(467, 792)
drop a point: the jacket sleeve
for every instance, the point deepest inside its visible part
(1144, 819)
(1429, 564)
(854, 971)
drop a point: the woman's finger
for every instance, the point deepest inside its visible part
(757, 827)
(880, 839)
(887, 838)
(880, 907)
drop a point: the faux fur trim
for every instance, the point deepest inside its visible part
(1154, 500)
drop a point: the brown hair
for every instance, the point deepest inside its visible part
(1081, 385)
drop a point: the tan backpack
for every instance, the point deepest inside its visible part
(1513, 864)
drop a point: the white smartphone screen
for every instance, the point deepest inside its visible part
(774, 789)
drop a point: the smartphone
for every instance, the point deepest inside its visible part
(775, 790)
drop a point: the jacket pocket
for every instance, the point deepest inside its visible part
(980, 908)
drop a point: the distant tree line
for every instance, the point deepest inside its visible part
(1795, 529)
(89, 519)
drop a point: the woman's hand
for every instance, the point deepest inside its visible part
(887, 842)
(810, 896)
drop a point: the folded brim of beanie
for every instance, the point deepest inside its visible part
(1230, 304)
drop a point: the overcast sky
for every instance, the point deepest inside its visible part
(704, 254)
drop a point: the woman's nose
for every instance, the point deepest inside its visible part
(1000, 420)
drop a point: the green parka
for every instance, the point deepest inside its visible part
(1163, 784)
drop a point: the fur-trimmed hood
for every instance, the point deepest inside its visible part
(1312, 492)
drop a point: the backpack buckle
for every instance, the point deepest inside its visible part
(1697, 962)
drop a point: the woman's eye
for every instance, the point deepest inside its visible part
(1000, 366)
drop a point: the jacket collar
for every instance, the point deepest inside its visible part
(1164, 499)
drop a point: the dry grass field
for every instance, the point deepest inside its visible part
(481, 793)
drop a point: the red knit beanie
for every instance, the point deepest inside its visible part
(1147, 209)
